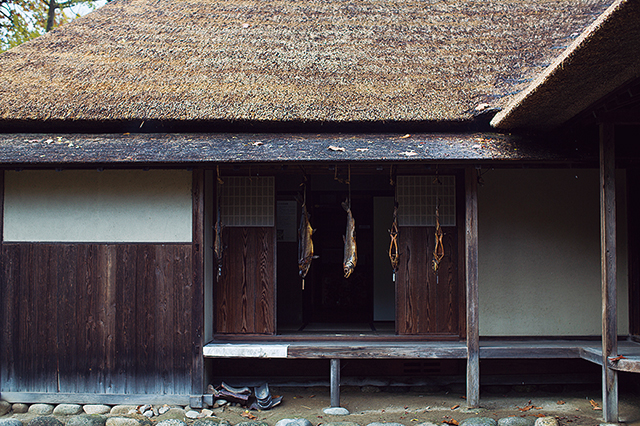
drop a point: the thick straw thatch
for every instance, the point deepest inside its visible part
(603, 58)
(288, 60)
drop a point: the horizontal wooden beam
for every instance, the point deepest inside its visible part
(372, 352)
(631, 365)
(493, 349)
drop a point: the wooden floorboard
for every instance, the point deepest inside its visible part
(589, 350)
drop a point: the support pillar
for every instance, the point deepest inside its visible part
(608, 271)
(335, 383)
(471, 282)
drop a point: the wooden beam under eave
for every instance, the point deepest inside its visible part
(471, 283)
(608, 271)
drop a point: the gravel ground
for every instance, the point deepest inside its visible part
(410, 407)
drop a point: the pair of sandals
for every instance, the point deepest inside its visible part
(264, 400)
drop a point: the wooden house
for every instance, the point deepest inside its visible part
(126, 135)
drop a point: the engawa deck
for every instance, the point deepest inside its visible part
(590, 350)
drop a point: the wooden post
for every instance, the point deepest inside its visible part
(608, 271)
(335, 383)
(197, 301)
(471, 282)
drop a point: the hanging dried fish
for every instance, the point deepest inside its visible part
(438, 251)
(394, 257)
(218, 248)
(350, 249)
(217, 245)
(305, 243)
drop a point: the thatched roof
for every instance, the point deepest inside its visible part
(287, 60)
(604, 58)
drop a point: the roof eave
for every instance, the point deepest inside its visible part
(604, 57)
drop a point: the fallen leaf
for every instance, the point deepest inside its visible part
(594, 405)
(455, 406)
(540, 415)
(561, 402)
(405, 136)
(312, 396)
(463, 397)
(336, 148)
(304, 406)
(248, 415)
(618, 358)
(451, 422)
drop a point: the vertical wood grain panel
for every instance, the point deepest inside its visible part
(96, 318)
(182, 274)
(67, 329)
(266, 292)
(427, 302)
(26, 368)
(126, 280)
(245, 294)
(8, 314)
(107, 312)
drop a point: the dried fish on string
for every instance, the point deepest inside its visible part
(438, 251)
(305, 244)
(350, 249)
(394, 256)
(218, 248)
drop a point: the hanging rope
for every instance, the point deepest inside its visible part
(349, 183)
(394, 256)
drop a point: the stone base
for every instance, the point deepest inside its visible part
(336, 411)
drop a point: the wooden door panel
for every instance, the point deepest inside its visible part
(427, 302)
(245, 293)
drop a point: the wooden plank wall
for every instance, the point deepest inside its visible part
(96, 318)
(245, 294)
(425, 306)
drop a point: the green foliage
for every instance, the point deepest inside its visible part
(22, 20)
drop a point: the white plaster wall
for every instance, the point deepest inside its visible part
(539, 253)
(92, 206)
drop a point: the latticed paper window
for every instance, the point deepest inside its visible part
(418, 197)
(247, 201)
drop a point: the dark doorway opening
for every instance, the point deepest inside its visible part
(330, 297)
(364, 302)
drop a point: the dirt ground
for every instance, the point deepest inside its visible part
(371, 405)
